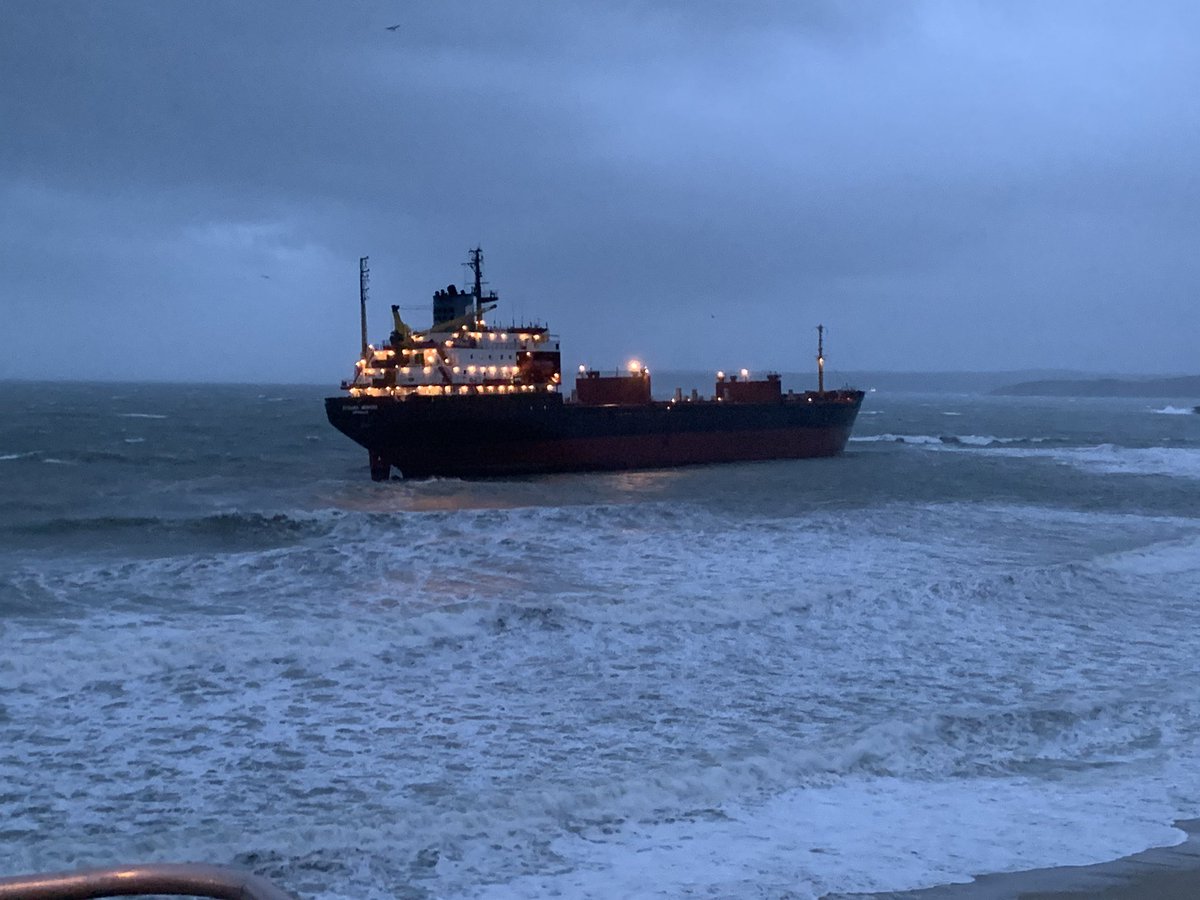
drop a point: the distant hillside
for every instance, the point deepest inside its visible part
(1185, 386)
(935, 382)
(666, 380)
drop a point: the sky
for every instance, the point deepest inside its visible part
(186, 188)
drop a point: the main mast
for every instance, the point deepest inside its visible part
(476, 265)
(820, 359)
(364, 277)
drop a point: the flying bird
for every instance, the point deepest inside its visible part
(391, 27)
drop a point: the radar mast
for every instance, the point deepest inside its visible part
(820, 359)
(364, 280)
(476, 265)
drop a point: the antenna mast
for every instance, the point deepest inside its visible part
(476, 265)
(820, 359)
(364, 278)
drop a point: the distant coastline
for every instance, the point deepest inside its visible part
(1183, 386)
(1016, 383)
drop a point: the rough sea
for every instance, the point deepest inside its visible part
(967, 645)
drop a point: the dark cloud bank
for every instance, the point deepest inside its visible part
(945, 185)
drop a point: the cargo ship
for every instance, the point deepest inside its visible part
(468, 398)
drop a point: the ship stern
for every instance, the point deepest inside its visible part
(357, 418)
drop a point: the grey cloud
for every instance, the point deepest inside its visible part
(664, 178)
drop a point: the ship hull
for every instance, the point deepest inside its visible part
(480, 437)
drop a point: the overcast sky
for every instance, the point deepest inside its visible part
(186, 188)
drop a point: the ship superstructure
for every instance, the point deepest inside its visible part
(466, 398)
(460, 354)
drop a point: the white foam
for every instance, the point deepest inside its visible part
(898, 438)
(947, 441)
(135, 440)
(138, 415)
(861, 835)
(1109, 459)
(1176, 411)
(1105, 459)
(606, 700)
(1165, 559)
(982, 440)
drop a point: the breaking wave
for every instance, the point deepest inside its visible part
(970, 440)
(1103, 459)
(1109, 459)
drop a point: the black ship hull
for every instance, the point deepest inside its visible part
(487, 436)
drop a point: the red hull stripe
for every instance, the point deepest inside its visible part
(628, 452)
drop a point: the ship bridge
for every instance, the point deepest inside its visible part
(461, 354)
(479, 360)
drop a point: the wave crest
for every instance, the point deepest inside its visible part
(221, 525)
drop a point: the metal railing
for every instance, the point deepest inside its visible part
(176, 879)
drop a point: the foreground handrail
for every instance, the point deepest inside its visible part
(178, 879)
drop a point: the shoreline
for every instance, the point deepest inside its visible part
(1165, 873)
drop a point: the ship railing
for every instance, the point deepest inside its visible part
(172, 879)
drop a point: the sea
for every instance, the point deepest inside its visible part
(967, 645)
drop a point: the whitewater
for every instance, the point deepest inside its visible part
(967, 645)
